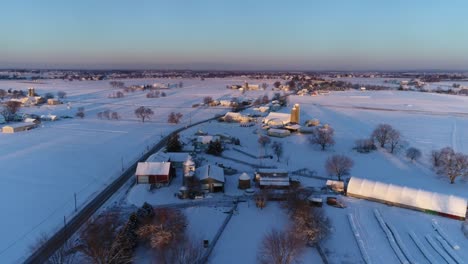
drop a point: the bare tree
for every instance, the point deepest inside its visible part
(381, 134)
(437, 156)
(63, 255)
(10, 109)
(117, 84)
(3, 93)
(364, 145)
(277, 84)
(453, 164)
(61, 94)
(166, 230)
(309, 223)
(174, 118)
(143, 113)
(115, 116)
(280, 247)
(393, 139)
(207, 100)
(264, 86)
(80, 112)
(96, 241)
(322, 136)
(339, 165)
(413, 153)
(277, 148)
(187, 251)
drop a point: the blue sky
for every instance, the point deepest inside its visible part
(238, 34)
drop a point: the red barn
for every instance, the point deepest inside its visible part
(154, 173)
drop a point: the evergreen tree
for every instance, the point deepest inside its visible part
(173, 144)
(215, 148)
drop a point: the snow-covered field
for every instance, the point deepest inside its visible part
(42, 169)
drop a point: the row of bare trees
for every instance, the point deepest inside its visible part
(107, 114)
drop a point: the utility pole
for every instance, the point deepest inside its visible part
(76, 209)
(122, 164)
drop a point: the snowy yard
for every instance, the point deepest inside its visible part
(341, 246)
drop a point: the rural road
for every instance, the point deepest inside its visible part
(43, 253)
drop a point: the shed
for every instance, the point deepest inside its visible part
(18, 127)
(244, 181)
(274, 132)
(211, 178)
(406, 197)
(53, 101)
(337, 186)
(154, 173)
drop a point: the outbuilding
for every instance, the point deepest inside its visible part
(211, 178)
(154, 173)
(272, 178)
(274, 132)
(244, 181)
(430, 202)
(18, 127)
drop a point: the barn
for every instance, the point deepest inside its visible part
(154, 173)
(211, 178)
(430, 202)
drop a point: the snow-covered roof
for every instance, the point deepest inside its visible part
(272, 171)
(20, 124)
(207, 139)
(169, 156)
(210, 171)
(448, 204)
(280, 181)
(153, 168)
(244, 177)
(279, 131)
(278, 118)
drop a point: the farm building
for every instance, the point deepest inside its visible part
(211, 178)
(154, 173)
(272, 178)
(244, 181)
(429, 202)
(235, 117)
(53, 101)
(18, 127)
(277, 119)
(274, 132)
